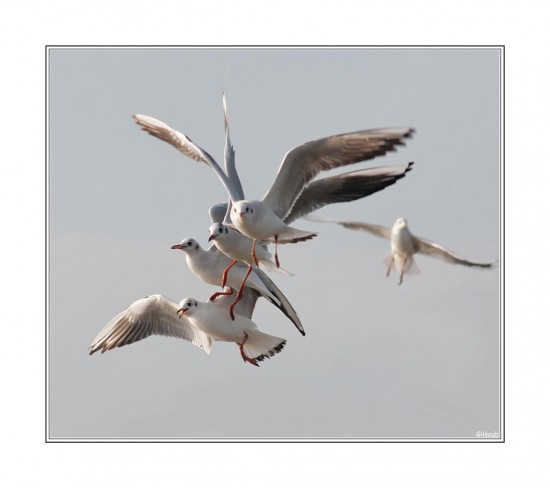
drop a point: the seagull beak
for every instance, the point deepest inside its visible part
(178, 246)
(181, 312)
(211, 238)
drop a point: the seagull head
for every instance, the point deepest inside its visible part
(187, 245)
(187, 307)
(400, 223)
(243, 208)
(216, 230)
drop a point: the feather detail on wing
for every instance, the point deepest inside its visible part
(429, 248)
(153, 315)
(346, 187)
(303, 163)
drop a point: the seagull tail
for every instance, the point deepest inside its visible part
(409, 267)
(271, 267)
(292, 235)
(260, 345)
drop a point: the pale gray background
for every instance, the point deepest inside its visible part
(420, 360)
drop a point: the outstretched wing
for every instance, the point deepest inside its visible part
(345, 188)
(429, 248)
(185, 145)
(153, 315)
(301, 164)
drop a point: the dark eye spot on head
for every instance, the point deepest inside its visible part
(196, 246)
(251, 210)
(189, 243)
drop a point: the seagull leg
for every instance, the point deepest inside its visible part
(254, 253)
(276, 255)
(225, 271)
(402, 271)
(221, 293)
(389, 266)
(239, 294)
(246, 359)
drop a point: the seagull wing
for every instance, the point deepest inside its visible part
(429, 248)
(230, 167)
(217, 212)
(301, 164)
(377, 230)
(229, 156)
(345, 188)
(153, 315)
(185, 145)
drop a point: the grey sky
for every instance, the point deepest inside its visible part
(378, 360)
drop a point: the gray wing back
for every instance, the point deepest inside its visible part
(303, 163)
(377, 230)
(183, 144)
(229, 156)
(429, 248)
(346, 187)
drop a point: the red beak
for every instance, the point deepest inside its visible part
(178, 246)
(181, 312)
(211, 238)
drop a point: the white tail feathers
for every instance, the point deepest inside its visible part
(292, 234)
(271, 267)
(260, 346)
(408, 266)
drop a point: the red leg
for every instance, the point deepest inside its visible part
(254, 253)
(243, 355)
(276, 255)
(225, 271)
(239, 294)
(221, 293)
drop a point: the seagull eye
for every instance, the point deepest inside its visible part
(189, 243)
(189, 304)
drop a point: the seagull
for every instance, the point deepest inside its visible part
(210, 319)
(404, 245)
(208, 265)
(152, 315)
(266, 219)
(158, 315)
(237, 247)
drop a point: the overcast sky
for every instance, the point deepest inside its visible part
(378, 360)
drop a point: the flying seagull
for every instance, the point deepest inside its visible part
(161, 316)
(404, 245)
(267, 219)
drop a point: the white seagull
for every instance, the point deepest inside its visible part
(267, 219)
(208, 265)
(237, 247)
(404, 245)
(152, 315)
(158, 315)
(212, 320)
